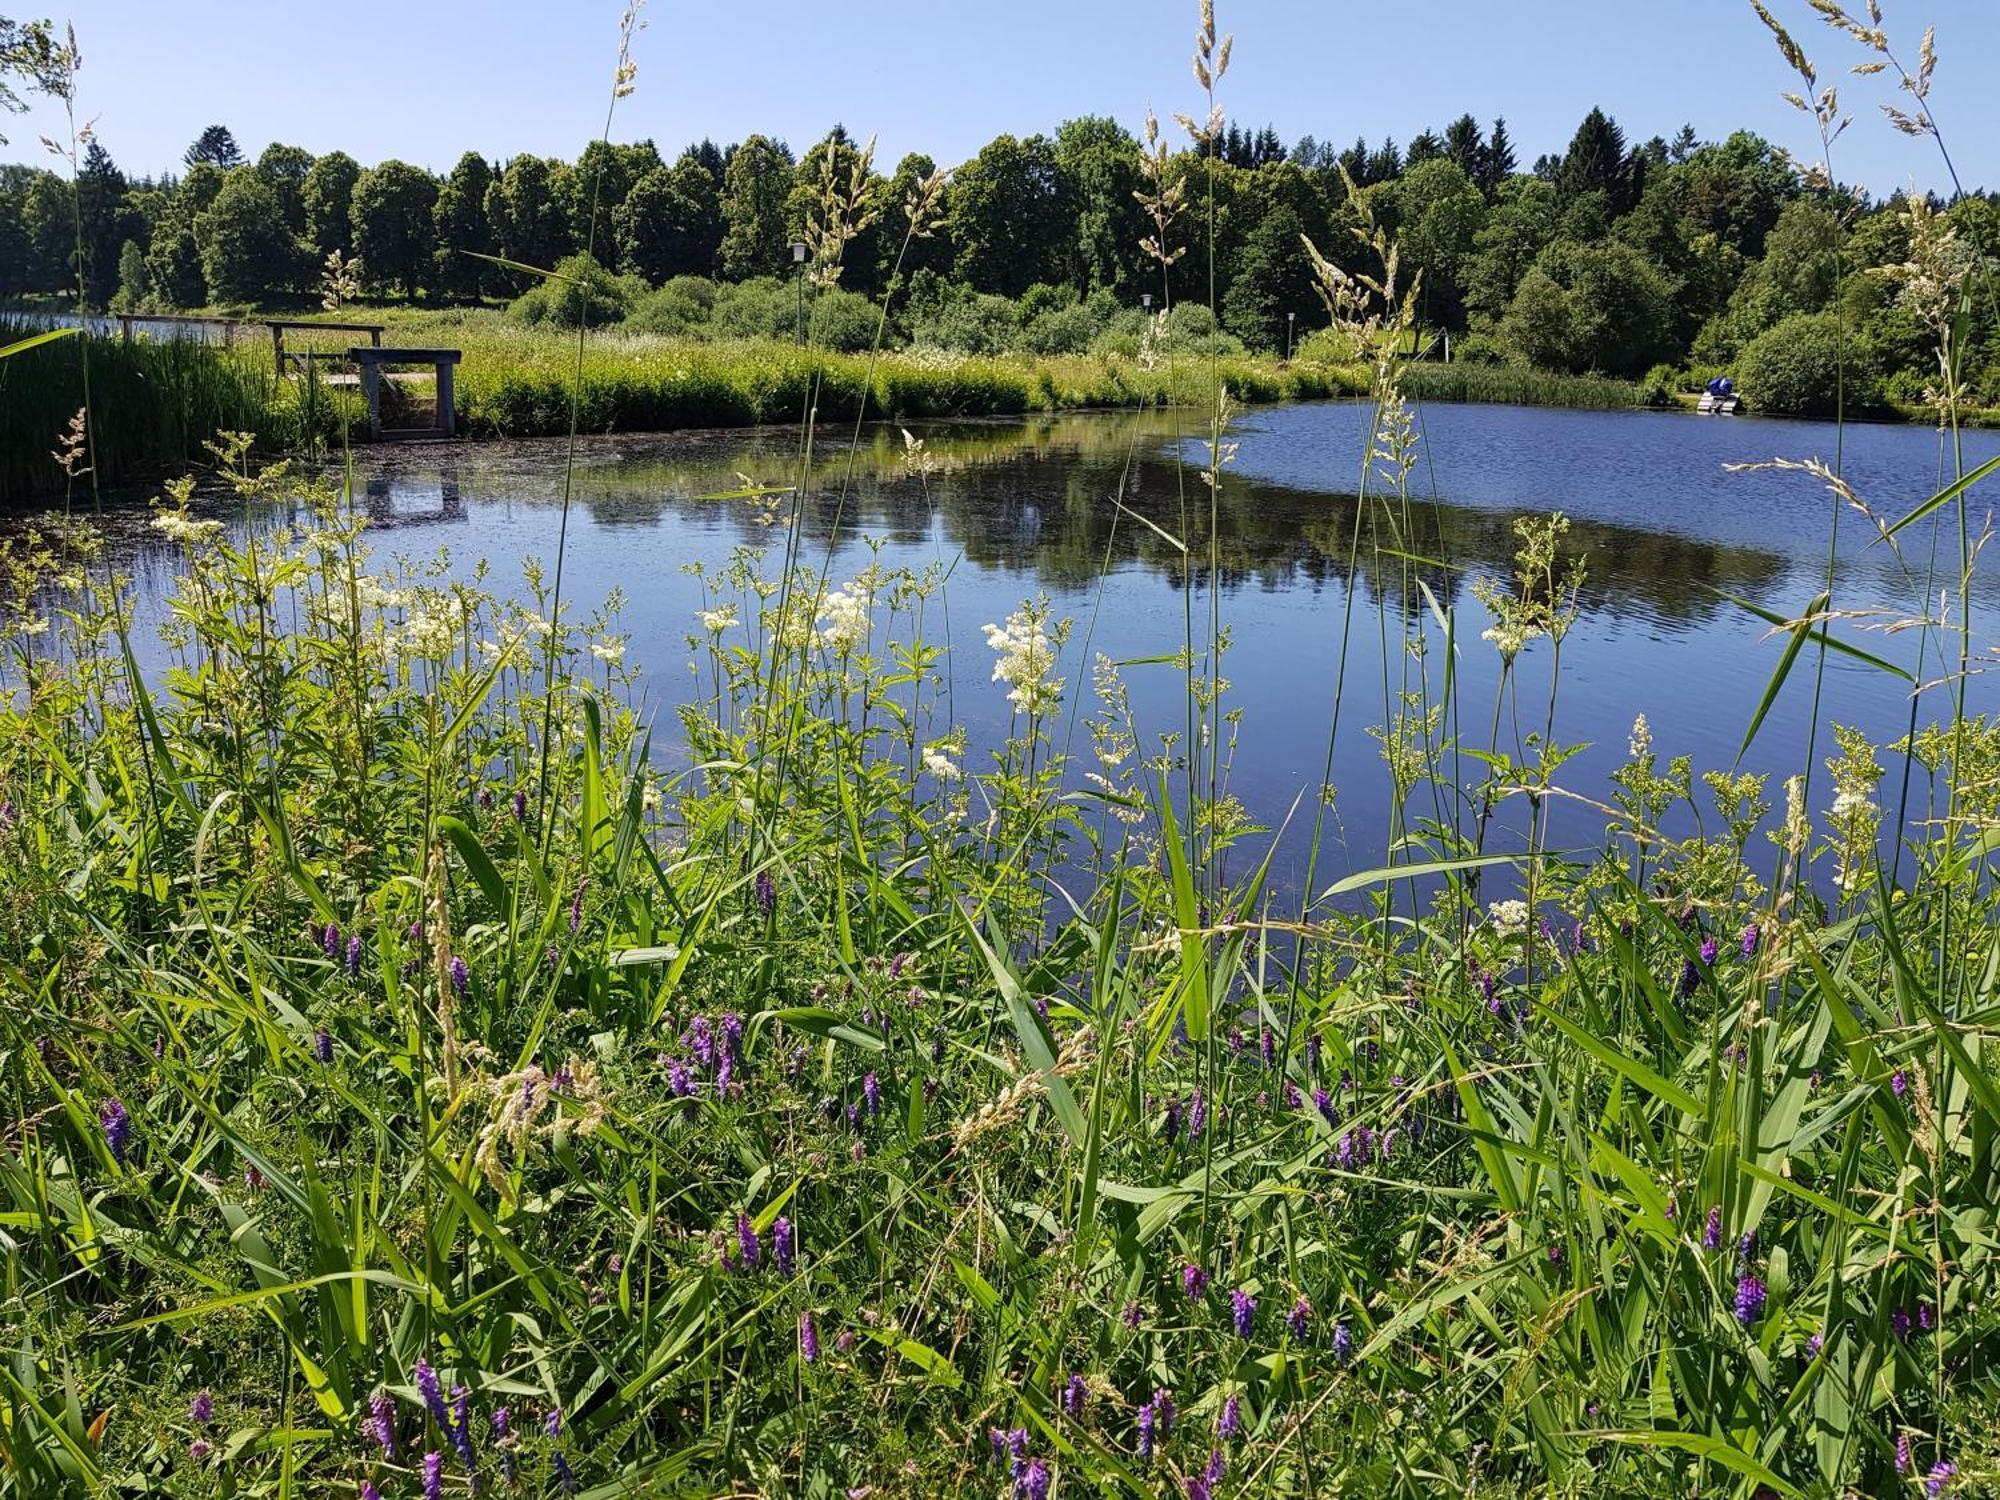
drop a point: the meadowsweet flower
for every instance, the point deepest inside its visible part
(432, 1393)
(433, 1475)
(1242, 1312)
(1298, 1322)
(1509, 918)
(1711, 1234)
(942, 766)
(461, 976)
(1231, 1421)
(844, 616)
(1749, 1299)
(117, 1128)
(323, 1046)
(781, 1244)
(808, 1338)
(746, 1241)
(1194, 1281)
(1343, 1343)
(1026, 658)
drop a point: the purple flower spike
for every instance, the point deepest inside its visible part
(382, 1424)
(354, 956)
(117, 1129)
(808, 1338)
(767, 893)
(1163, 1406)
(781, 1245)
(1900, 1083)
(323, 1046)
(1941, 1473)
(433, 1475)
(1132, 1315)
(520, 806)
(1343, 1343)
(330, 940)
(1750, 936)
(871, 1090)
(1903, 1453)
(564, 1476)
(746, 1241)
(1749, 1300)
(1711, 1234)
(461, 1425)
(201, 1410)
(1899, 1324)
(1242, 1312)
(1075, 1396)
(433, 1394)
(1709, 951)
(1231, 1421)
(552, 1424)
(1298, 1322)
(1147, 1421)
(1194, 1281)
(369, 1492)
(461, 976)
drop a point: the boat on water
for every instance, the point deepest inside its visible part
(1720, 399)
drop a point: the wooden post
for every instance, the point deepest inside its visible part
(278, 348)
(371, 388)
(125, 324)
(447, 418)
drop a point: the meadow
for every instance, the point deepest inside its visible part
(429, 1073)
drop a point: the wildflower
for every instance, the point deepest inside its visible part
(1902, 1453)
(1814, 1344)
(1194, 1281)
(330, 940)
(354, 956)
(1132, 1315)
(564, 1476)
(1690, 978)
(1196, 1487)
(1941, 1473)
(1899, 1324)
(1343, 1343)
(1709, 950)
(117, 1129)
(715, 621)
(1163, 1406)
(746, 1241)
(1509, 918)
(1750, 935)
(1231, 1421)
(576, 905)
(1034, 1481)
(678, 1079)
(1746, 1248)
(1197, 1115)
(552, 1423)
(1323, 1102)
(1147, 1421)
(461, 1425)
(200, 1448)
(323, 1046)
(461, 976)
(433, 1475)
(369, 1492)
(871, 1090)
(1925, 1316)
(1026, 656)
(1074, 1397)
(1711, 1235)
(808, 1338)
(201, 1410)
(1899, 1083)
(520, 805)
(942, 766)
(433, 1394)
(1268, 1046)
(1242, 1312)
(781, 1244)
(1298, 1322)
(767, 893)
(1749, 1299)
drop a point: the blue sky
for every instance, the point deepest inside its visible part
(428, 79)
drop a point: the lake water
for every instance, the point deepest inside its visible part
(1019, 508)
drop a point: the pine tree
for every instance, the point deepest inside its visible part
(1464, 145)
(1496, 162)
(216, 146)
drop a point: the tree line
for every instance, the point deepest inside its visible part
(1604, 257)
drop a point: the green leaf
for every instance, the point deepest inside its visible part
(1944, 496)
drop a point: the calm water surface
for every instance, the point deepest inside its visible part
(1014, 509)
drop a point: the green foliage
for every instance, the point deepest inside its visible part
(464, 233)
(1801, 365)
(755, 188)
(395, 235)
(670, 224)
(328, 197)
(1590, 308)
(581, 294)
(247, 254)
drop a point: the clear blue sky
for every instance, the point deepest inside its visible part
(428, 79)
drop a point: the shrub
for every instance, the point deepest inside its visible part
(1061, 330)
(683, 306)
(844, 322)
(982, 324)
(762, 307)
(1795, 367)
(582, 292)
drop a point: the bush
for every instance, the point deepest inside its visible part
(762, 307)
(1658, 388)
(683, 306)
(981, 324)
(1795, 367)
(844, 322)
(586, 293)
(1061, 330)
(1478, 349)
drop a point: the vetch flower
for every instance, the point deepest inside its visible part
(781, 1244)
(1074, 1398)
(1231, 1421)
(1194, 1281)
(432, 1393)
(767, 893)
(201, 1410)
(369, 1492)
(461, 1425)
(1750, 936)
(564, 1476)
(382, 1424)
(199, 1449)
(461, 976)
(117, 1128)
(1298, 1322)
(1709, 950)
(1147, 1421)
(433, 1475)
(808, 1338)
(1749, 1299)
(1034, 1481)
(1343, 1343)
(323, 1046)
(1903, 1453)
(1242, 1312)
(354, 956)
(871, 1090)
(1711, 1235)
(552, 1423)
(1940, 1475)
(746, 1241)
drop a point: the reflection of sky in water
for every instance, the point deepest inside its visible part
(1016, 508)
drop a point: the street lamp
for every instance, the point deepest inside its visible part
(799, 248)
(1146, 302)
(1290, 319)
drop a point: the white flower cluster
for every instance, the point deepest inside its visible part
(941, 765)
(715, 621)
(179, 526)
(1510, 917)
(610, 650)
(1027, 656)
(431, 628)
(844, 617)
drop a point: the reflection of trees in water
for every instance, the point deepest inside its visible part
(1037, 497)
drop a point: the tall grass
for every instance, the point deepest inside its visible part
(429, 1073)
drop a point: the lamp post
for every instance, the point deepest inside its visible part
(799, 260)
(1146, 303)
(1291, 318)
